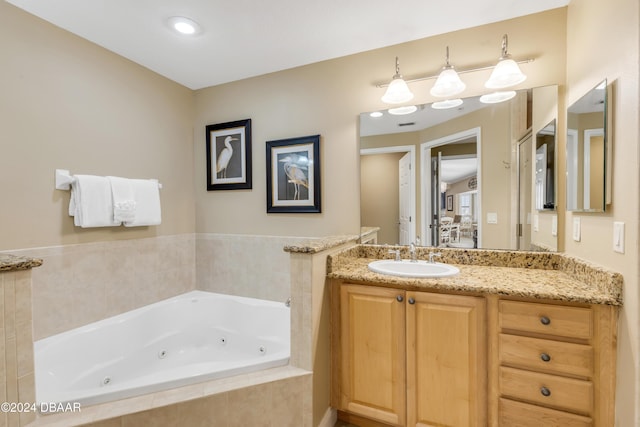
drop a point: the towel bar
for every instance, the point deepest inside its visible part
(64, 180)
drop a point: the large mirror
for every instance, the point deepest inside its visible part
(586, 151)
(450, 177)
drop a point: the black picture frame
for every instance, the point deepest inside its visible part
(293, 175)
(229, 155)
(450, 202)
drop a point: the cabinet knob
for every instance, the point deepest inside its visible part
(411, 300)
(545, 357)
(545, 320)
(545, 391)
(399, 298)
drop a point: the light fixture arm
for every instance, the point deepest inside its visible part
(505, 44)
(397, 75)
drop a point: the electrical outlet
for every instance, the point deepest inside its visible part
(618, 237)
(554, 225)
(576, 229)
(536, 223)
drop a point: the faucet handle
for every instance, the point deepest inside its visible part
(434, 254)
(396, 252)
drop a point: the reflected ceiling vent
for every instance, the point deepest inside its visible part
(406, 124)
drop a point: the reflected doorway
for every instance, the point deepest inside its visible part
(451, 190)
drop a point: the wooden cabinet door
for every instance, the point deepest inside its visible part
(446, 360)
(372, 327)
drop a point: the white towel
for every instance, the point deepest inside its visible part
(147, 198)
(124, 203)
(91, 202)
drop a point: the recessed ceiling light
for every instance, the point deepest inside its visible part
(449, 103)
(401, 111)
(184, 25)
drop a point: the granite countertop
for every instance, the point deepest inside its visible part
(12, 263)
(540, 275)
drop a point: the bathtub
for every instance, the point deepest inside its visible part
(194, 337)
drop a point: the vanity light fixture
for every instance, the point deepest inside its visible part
(506, 73)
(184, 25)
(401, 111)
(448, 83)
(398, 91)
(444, 105)
(497, 97)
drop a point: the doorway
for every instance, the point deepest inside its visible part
(441, 200)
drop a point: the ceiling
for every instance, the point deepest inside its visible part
(245, 38)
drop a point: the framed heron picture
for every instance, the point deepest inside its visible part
(293, 175)
(229, 155)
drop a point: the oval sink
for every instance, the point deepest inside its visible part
(407, 268)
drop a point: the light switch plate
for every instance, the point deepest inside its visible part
(492, 218)
(576, 229)
(618, 237)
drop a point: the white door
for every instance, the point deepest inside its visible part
(404, 168)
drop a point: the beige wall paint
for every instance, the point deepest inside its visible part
(327, 97)
(379, 195)
(594, 52)
(68, 104)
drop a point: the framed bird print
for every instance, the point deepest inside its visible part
(293, 175)
(229, 155)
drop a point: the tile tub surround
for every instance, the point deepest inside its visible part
(273, 397)
(17, 378)
(92, 281)
(542, 275)
(246, 265)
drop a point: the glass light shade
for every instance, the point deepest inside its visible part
(376, 114)
(397, 92)
(505, 74)
(449, 103)
(497, 97)
(401, 111)
(448, 84)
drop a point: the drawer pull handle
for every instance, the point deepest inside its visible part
(399, 298)
(411, 300)
(545, 320)
(545, 392)
(545, 357)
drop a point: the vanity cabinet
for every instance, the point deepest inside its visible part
(408, 358)
(554, 364)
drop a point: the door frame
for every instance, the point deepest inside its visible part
(411, 149)
(425, 176)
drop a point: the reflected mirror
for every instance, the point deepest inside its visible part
(545, 179)
(449, 177)
(586, 151)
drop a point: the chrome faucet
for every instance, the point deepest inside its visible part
(432, 255)
(412, 252)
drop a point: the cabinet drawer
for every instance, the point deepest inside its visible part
(548, 390)
(546, 355)
(557, 320)
(518, 414)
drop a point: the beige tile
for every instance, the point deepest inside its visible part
(166, 416)
(11, 370)
(250, 406)
(114, 422)
(9, 306)
(207, 412)
(287, 403)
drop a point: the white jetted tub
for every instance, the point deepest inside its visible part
(194, 337)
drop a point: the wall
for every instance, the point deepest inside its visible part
(68, 104)
(595, 52)
(327, 98)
